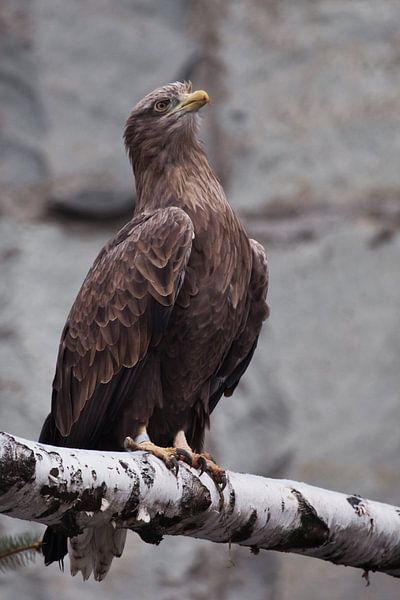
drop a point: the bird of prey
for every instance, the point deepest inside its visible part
(168, 317)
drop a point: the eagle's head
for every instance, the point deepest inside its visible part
(163, 121)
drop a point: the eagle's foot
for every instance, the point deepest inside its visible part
(169, 456)
(205, 463)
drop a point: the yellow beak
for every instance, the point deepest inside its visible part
(192, 102)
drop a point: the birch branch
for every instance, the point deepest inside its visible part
(76, 489)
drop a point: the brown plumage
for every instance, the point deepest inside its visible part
(168, 317)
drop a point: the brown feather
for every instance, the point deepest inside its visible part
(119, 308)
(168, 316)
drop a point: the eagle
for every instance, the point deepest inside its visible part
(168, 317)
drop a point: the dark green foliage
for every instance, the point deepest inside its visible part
(18, 550)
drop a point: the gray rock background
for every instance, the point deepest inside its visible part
(304, 132)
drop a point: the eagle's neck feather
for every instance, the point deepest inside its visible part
(184, 179)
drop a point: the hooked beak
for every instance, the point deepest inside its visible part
(192, 102)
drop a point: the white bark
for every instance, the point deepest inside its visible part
(77, 489)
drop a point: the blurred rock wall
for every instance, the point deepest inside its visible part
(304, 133)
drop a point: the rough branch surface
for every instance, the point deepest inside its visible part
(75, 489)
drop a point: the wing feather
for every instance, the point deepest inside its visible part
(121, 310)
(242, 349)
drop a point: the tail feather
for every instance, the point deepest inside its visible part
(119, 541)
(93, 550)
(80, 553)
(54, 547)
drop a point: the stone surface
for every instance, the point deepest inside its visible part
(22, 118)
(95, 62)
(304, 133)
(312, 99)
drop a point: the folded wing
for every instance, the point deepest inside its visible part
(119, 315)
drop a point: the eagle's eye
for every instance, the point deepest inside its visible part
(162, 105)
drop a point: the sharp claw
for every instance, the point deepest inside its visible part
(174, 465)
(201, 464)
(218, 478)
(182, 454)
(222, 484)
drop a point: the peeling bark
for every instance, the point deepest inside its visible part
(75, 489)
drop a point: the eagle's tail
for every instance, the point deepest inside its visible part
(93, 550)
(89, 552)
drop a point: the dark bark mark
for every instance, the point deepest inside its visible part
(244, 532)
(94, 475)
(196, 499)
(76, 478)
(54, 454)
(311, 533)
(17, 465)
(359, 505)
(130, 509)
(130, 472)
(59, 492)
(54, 472)
(148, 473)
(232, 501)
(371, 525)
(90, 499)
